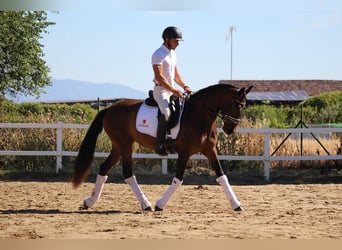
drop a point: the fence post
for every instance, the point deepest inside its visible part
(267, 154)
(164, 166)
(59, 135)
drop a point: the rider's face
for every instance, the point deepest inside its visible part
(172, 43)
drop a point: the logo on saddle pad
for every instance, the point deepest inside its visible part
(143, 123)
(147, 121)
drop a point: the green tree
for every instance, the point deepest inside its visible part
(22, 68)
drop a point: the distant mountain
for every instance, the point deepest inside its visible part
(64, 90)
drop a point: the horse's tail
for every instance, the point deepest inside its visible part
(87, 149)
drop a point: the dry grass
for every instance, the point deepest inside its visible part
(237, 144)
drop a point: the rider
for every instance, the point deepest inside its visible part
(166, 74)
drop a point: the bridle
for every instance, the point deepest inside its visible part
(227, 118)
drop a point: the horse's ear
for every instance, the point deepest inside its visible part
(249, 89)
(241, 91)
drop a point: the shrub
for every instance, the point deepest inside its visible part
(46, 113)
(324, 108)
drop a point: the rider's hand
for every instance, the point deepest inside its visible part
(178, 93)
(187, 90)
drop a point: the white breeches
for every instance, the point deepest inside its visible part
(162, 97)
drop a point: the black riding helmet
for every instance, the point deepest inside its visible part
(172, 32)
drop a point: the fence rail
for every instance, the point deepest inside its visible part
(266, 157)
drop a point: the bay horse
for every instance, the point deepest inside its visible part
(197, 134)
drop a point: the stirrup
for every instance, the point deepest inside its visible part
(160, 150)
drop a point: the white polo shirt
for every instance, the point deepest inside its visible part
(167, 58)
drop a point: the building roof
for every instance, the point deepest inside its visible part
(311, 87)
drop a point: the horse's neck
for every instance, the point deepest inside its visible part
(213, 100)
(205, 107)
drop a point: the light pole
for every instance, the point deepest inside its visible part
(231, 29)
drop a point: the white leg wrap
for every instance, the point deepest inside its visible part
(132, 182)
(223, 181)
(90, 201)
(162, 202)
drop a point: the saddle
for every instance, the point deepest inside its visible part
(174, 106)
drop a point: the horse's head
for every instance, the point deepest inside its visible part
(231, 112)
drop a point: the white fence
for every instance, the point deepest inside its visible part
(59, 153)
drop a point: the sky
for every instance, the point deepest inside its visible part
(112, 41)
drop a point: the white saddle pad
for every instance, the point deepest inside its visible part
(147, 121)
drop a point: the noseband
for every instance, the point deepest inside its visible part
(226, 118)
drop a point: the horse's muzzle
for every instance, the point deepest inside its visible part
(229, 129)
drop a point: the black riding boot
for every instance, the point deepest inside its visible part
(161, 133)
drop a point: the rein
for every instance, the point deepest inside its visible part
(226, 118)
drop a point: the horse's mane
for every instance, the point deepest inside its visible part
(216, 87)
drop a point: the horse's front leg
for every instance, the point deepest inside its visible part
(222, 179)
(131, 180)
(175, 184)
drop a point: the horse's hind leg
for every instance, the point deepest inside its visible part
(100, 180)
(139, 194)
(132, 181)
(175, 184)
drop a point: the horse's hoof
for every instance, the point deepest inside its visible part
(156, 208)
(84, 207)
(238, 209)
(148, 209)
